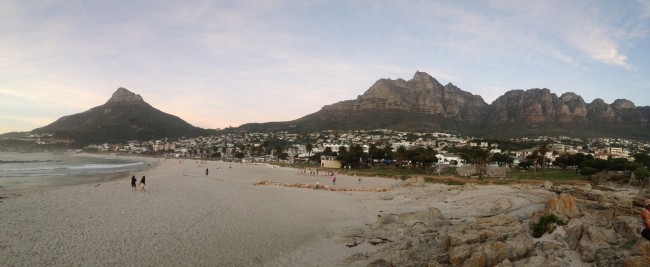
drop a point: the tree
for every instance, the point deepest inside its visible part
(278, 151)
(576, 159)
(477, 157)
(354, 157)
(643, 159)
(525, 164)
(534, 159)
(481, 159)
(328, 152)
(388, 151)
(561, 161)
(401, 153)
(316, 157)
(642, 174)
(309, 148)
(375, 153)
(501, 159)
(543, 148)
(426, 158)
(587, 171)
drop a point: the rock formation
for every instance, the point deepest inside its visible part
(124, 96)
(423, 104)
(601, 230)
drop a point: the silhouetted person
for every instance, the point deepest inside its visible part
(142, 183)
(133, 181)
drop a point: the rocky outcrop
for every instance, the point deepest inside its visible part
(124, 96)
(422, 94)
(600, 230)
(424, 104)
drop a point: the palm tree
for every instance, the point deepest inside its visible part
(481, 159)
(401, 153)
(543, 149)
(309, 148)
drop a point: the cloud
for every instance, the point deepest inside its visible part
(591, 29)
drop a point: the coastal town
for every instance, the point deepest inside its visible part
(292, 147)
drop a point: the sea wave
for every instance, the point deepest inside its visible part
(24, 161)
(104, 166)
(76, 167)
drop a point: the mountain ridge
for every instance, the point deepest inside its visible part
(424, 104)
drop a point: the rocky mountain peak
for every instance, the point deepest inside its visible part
(124, 96)
(623, 104)
(423, 81)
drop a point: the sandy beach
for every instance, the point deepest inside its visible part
(183, 218)
(189, 219)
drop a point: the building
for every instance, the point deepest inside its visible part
(330, 162)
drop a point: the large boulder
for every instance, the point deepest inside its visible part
(466, 170)
(487, 242)
(496, 171)
(563, 206)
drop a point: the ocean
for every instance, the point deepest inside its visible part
(35, 170)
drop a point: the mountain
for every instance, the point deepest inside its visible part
(423, 104)
(125, 116)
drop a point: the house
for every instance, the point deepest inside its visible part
(330, 162)
(448, 158)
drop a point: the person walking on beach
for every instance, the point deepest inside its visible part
(142, 183)
(133, 181)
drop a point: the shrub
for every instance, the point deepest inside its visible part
(587, 171)
(544, 225)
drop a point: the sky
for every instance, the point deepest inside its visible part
(217, 64)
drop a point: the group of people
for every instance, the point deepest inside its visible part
(134, 181)
(310, 170)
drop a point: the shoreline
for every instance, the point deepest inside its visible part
(84, 179)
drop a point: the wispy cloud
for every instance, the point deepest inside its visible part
(581, 25)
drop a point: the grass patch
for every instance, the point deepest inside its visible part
(551, 175)
(544, 225)
(453, 182)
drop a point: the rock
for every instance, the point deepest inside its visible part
(414, 181)
(466, 170)
(432, 217)
(500, 205)
(547, 184)
(122, 95)
(495, 171)
(563, 206)
(574, 234)
(487, 242)
(626, 226)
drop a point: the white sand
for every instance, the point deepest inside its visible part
(185, 218)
